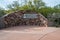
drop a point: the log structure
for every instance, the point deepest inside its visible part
(26, 17)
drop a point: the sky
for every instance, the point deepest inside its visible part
(4, 3)
(51, 2)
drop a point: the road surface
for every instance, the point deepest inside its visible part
(30, 33)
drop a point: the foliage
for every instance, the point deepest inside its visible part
(57, 6)
(2, 12)
(15, 6)
(36, 5)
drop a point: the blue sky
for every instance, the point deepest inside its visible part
(51, 3)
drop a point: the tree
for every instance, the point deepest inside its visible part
(35, 5)
(27, 6)
(2, 12)
(38, 4)
(57, 6)
(46, 11)
(15, 6)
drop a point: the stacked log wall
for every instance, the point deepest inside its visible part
(16, 18)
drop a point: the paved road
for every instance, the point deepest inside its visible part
(52, 36)
(30, 33)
